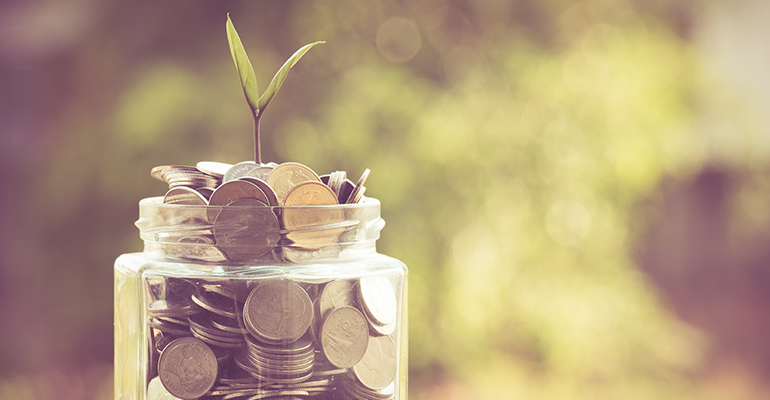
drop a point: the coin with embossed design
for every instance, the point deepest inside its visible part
(286, 176)
(377, 368)
(187, 368)
(378, 298)
(344, 336)
(278, 310)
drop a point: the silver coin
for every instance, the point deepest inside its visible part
(346, 188)
(156, 391)
(239, 170)
(214, 168)
(172, 308)
(378, 298)
(344, 336)
(278, 310)
(272, 199)
(206, 192)
(336, 294)
(184, 195)
(229, 192)
(377, 369)
(246, 229)
(187, 368)
(358, 190)
(216, 304)
(261, 171)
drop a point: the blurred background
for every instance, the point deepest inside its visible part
(580, 188)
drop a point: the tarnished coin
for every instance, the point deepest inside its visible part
(312, 227)
(378, 299)
(239, 170)
(358, 190)
(278, 311)
(246, 229)
(377, 369)
(187, 368)
(214, 168)
(285, 176)
(344, 336)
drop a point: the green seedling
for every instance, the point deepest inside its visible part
(258, 103)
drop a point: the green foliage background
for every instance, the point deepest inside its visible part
(510, 143)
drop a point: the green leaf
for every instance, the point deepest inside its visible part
(243, 65)
(280, 76)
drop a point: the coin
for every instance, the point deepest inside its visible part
(213, 168)
(184, 195)
(358, 190)
(239, 170)
(172, 308)
(156, 391)
(261, 171)
(246, 230)
(345, 190)
(272, 199)
(285, 176)
(187, 368)
(278, 311)
(206, 192)
(344, 336)
(312, 227)
(377, 369)
(378, 299)
(336, 294)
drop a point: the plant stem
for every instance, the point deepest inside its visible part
(257, 147)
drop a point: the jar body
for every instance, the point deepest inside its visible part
(331, 325)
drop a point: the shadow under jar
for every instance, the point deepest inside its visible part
(253, 302)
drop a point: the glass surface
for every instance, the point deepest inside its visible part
(211, 311)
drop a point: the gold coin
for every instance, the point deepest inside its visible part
(311, 227)
(285, 176)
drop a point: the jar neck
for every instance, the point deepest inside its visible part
(259, 235)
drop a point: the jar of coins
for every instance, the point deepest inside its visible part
(259, 294)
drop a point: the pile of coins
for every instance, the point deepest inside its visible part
(271, 338)
(277, 226)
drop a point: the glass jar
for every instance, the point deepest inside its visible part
(266, 302)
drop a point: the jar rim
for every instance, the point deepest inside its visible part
(157, 201)
(265, 234)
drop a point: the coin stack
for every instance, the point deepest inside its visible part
(271, 338)
(278, 224)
